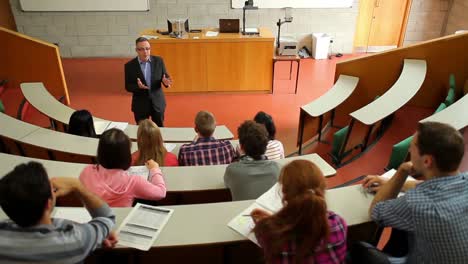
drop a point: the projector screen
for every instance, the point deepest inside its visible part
(296, 3)
(84, 5)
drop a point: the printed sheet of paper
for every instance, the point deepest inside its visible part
(76, 214)
(150, 36)
(271, 200)
(141, 171)
(142, 226)
(243, 223)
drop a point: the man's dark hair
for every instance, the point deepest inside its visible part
(114, 150)
(443, 142)
(140, 39)
(253, 138)
(266, 120)
(24, 193)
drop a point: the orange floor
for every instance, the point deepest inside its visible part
(97, 84)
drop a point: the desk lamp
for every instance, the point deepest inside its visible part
(248, 5)
(287, 19)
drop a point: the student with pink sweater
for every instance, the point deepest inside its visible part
(109, 179)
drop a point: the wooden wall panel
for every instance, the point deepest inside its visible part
(378, 72)
(25, 59)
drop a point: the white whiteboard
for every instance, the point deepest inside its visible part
(84, 5)
(296, 3)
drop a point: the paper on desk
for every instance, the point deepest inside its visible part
(243, 223)
(100, 126)
(76, 214)
(119, 125)
(170, 146)
(142, 226)
(251, 30)
(272, 199)
(141, 171)
(150, 36)
(211, 33)
(389, 174)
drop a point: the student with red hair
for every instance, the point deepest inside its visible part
(303, 231)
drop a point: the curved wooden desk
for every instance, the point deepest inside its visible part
(368, 117)
(42, 100)
(178, 179)
(408, 84)
(455, 115)
(309, 113)
(38, 139)
(203, 228)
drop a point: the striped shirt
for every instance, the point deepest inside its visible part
(274, 150)
(330, 251)
(435, 215)
(206, 151)
(61, 242)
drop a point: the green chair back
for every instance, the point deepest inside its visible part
(452, 81)
(450, 99)
(399, 153)
(441, 107)
(2, 107)
(338, 141)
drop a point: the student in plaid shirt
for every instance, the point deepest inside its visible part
(434, 212)
(303, 231)
(205, 149)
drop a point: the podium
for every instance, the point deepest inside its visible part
(229, 62)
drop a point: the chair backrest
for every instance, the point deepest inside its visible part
(450, 99)
(441, 107)
(338, 141)
(399, 153)
(2, 107)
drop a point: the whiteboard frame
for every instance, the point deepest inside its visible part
(296, 3)
(83, 5)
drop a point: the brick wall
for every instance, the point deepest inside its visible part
(457, 17)
(111, 34)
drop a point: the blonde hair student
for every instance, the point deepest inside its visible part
(303, 231)
(151, 146)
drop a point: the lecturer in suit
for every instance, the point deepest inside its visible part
(144, 76)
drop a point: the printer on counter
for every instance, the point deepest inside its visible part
(287, 46)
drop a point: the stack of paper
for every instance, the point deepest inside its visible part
(150, 37)
(142, 226)
(271, 201)
(211, 33)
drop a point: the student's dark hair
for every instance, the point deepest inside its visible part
(114, 150)
(140, 39)
(205, 123)
(443, 142)
(253, 138)
(81, 124)
(266, 120)
(24, 193)
(303, 218)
